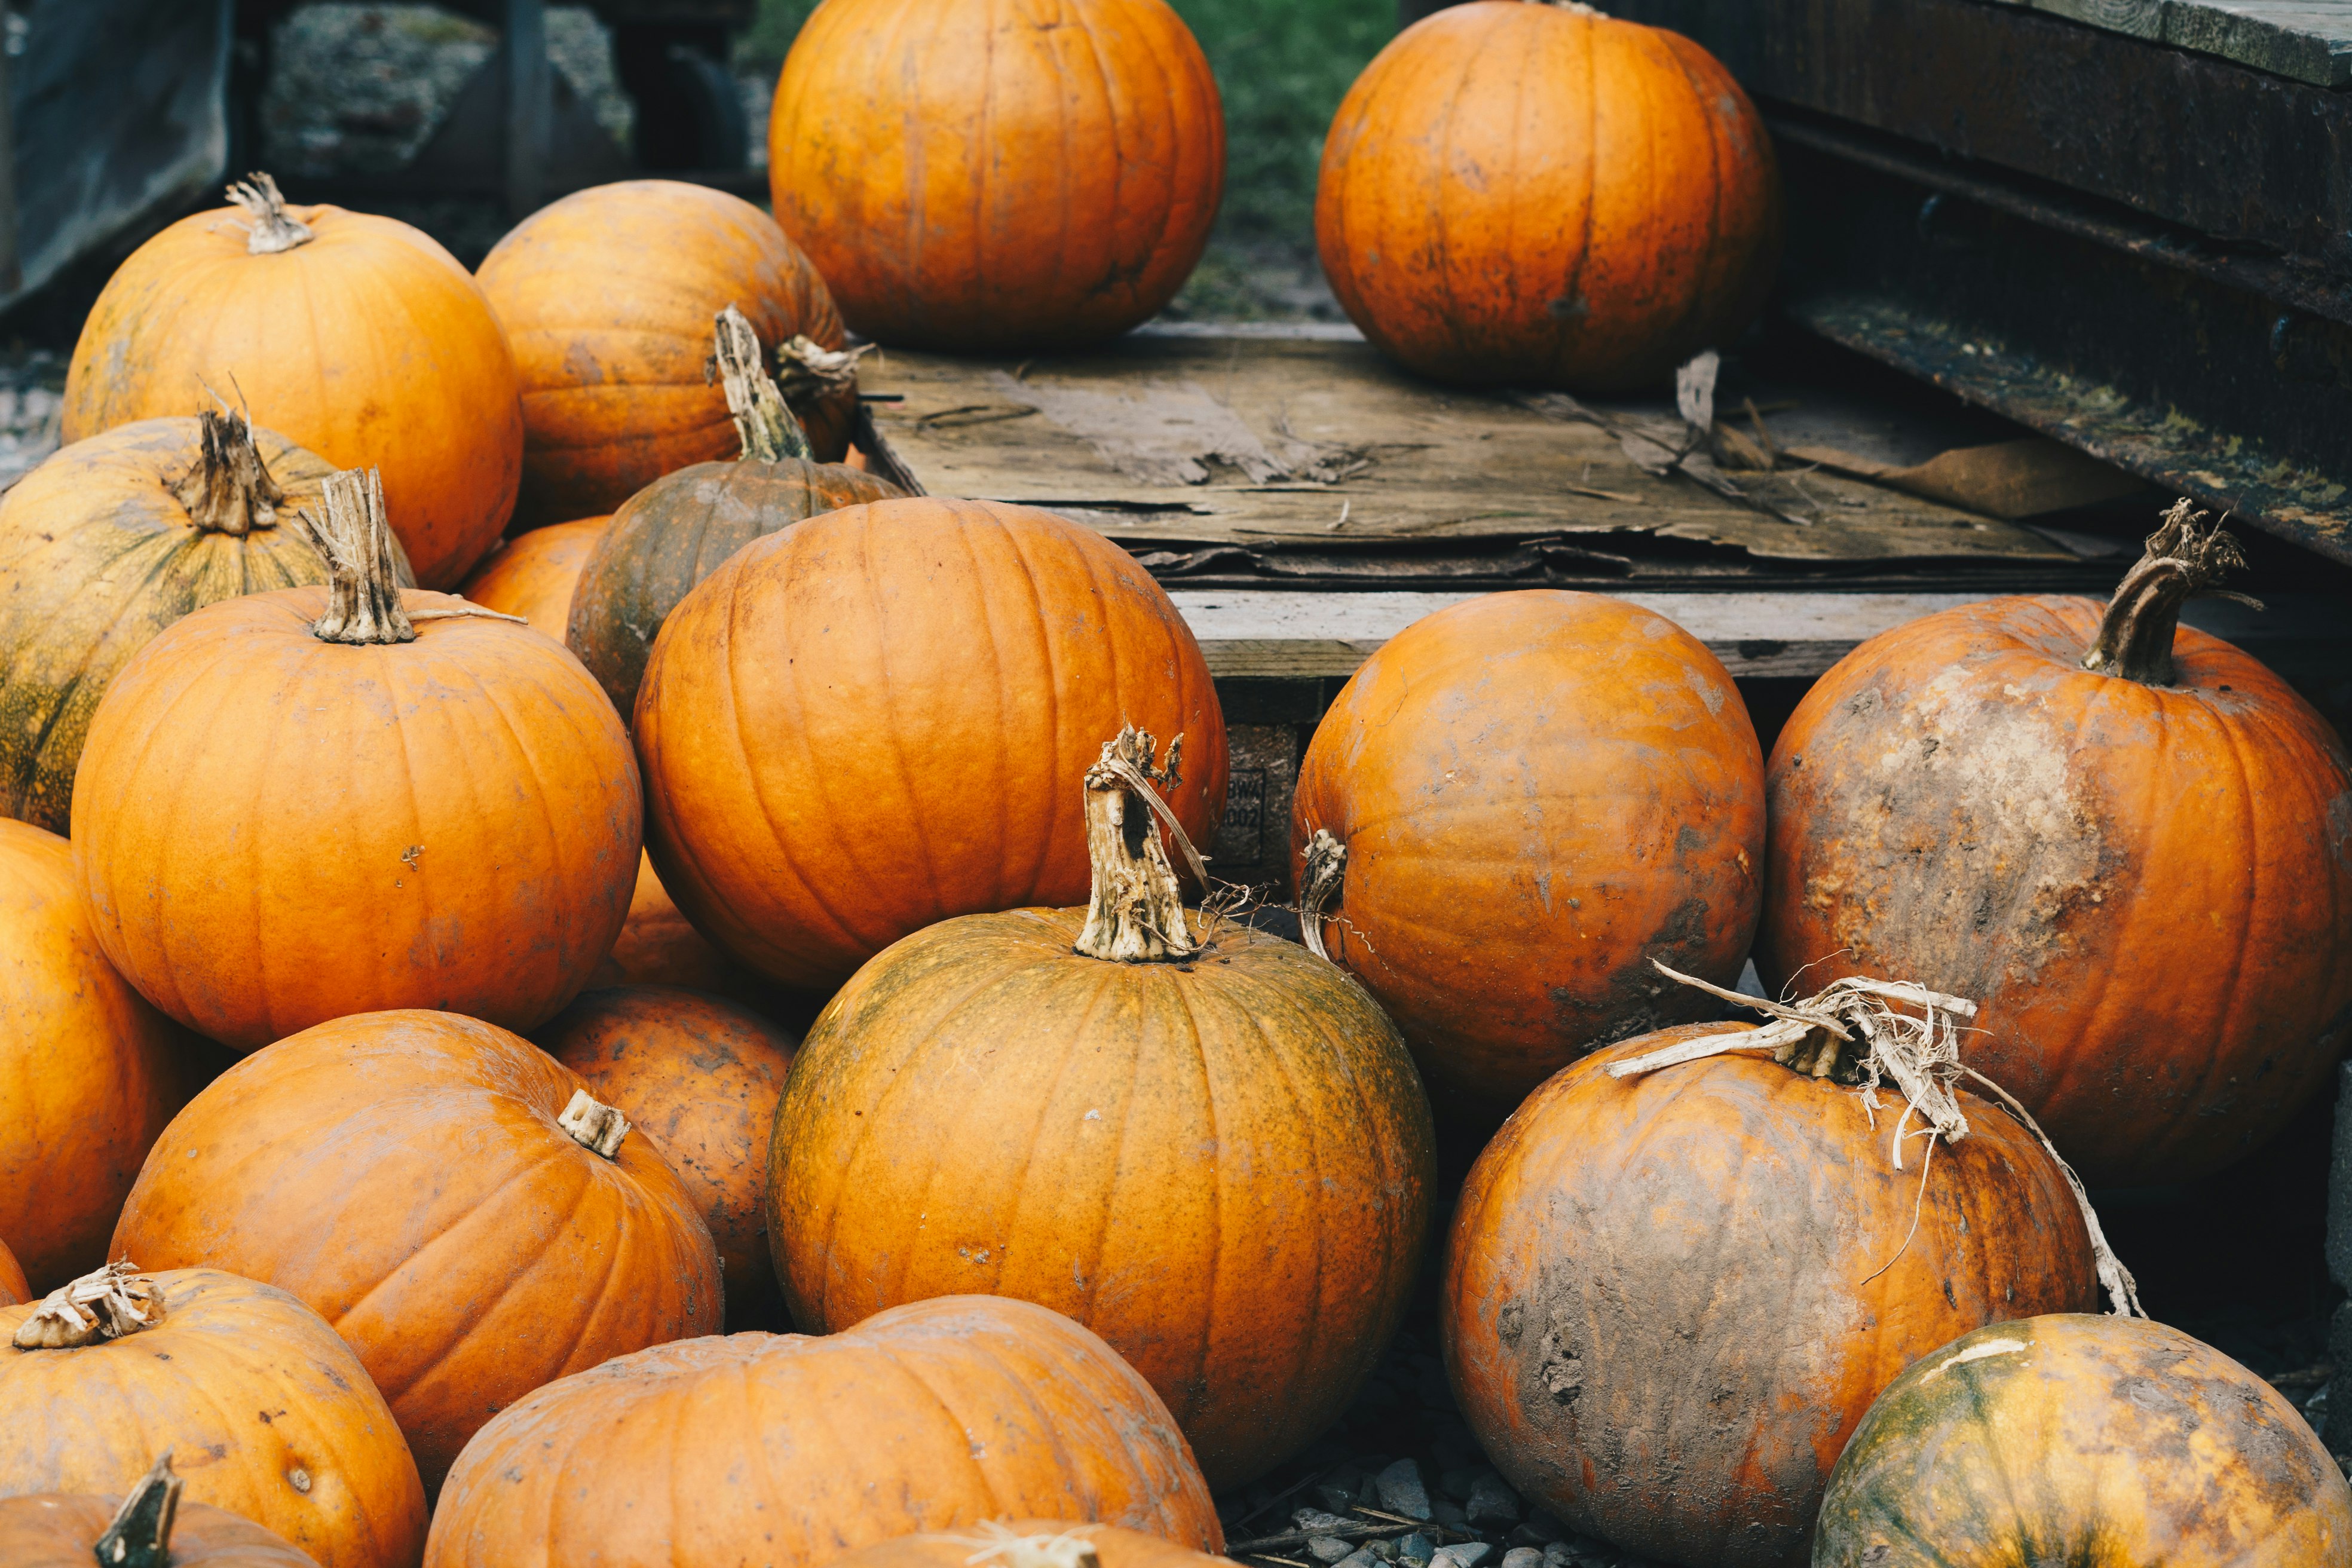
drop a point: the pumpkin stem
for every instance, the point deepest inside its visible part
(769, 432)
(809, 372)
(140, 1535)
(104, 1304)
(1135, 912)
(2187, 554)
(594, 1126)
(364, 606)
(229, 488)
(272, 230)
(1320, 880)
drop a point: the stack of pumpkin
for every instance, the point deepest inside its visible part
(400, 1096)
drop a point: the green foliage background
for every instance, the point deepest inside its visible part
(1283, 67)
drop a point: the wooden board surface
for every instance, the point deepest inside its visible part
(2309, 40)
(1319, 444)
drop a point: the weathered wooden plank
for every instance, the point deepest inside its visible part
(2309, 40)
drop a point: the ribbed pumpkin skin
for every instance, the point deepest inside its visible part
(394, 361)
(1657, 1307)
(1221, 1167)
(97, 555)
(674, 533)
(657, 946)
(404, 1175)
(1517, 192)
(13, 1288)
(2147, 889)
(533, 574)
(871, 723)
(1114, 1547)
(88, 1072)
(1539, 792)
(62, 1532)
(2107, 1442)
(699, 1077)
(996, 174)
(935, 1416)
(608, 297)
(450, 823)
(245, 1385)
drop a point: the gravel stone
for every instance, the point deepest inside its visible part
(1362, 1557)
(1448, 1512)
(1341, 1492)
(1383, 1549)
(1540, 1530)
(1458, 1484)
(1467, 1554)
(1556, 1554)
(1416, 1547)
(1327, 1549)
(1314, 1522)
(1402, 1491)
(1523, 1557)
(1492, 1501)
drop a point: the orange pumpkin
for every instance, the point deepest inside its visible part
(1028, 1543)
(1541, 195)
(1213, 1152)
(657, 946)
(1710, 1271)
(148, 1527)
(533, 574)
(2143, 872)
(425, 1182)
(995, 173)
(88, 1072)
(2079, 1439)
(108, 542)
(928, 1417)
(394, 362)
(1535, 793)
(12, 1280)
(271, 1415)
(448, 821)
(607, 297)
(869, 722)
(699, 1079)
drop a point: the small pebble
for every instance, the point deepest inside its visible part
(1402, 1491)
(1457, 1484)
(1523, 1557)
(1315, 1521)
(1557, 1554)
(1492, 1501)
(1416, 1547)
(1540, 1530)
(1447, 1512)
(1362, 1557)
(1328, 1549)
(1383, 1549)
(1340, 1490)
(1465, 1554)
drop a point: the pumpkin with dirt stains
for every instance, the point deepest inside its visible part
(2081, 1439)
(1030, 1544)
(1537, 793)
(50, 1531)
(607, 296)
(1537, 195)
(1670, 1299)
(533, 574)
(2142, 872)
(356, 337)
(268, 1414)
(998, 174)
(933, 1416)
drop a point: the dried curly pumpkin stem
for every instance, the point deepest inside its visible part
(140, 1535)
(229, 488)
(770, 431)
(594, 1125)
(1848, 1032)
(1135, 912)
(1000, 1546)
(2185, 556)
(808, 372)
(1321, 876)
(104, 1304)
(272, 230)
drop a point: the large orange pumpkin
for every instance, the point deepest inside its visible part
(2079, 1439)
(869, 722)
(699, 1079)
(110, 541)
(1539, 194)
(1537, 792)
(88, 1072)
(266, 1413)
(993, 174)
(67, 1532)
(1669, 1299)
(790, 1451)
(427, 1184)
(1028, 1543)
(2143, 872)
(448, 821)
(13, 1288)
(392, 359)
(607, 297)
(657, 946)
(1213, 1152)
(533, 574)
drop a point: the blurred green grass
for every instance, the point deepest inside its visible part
(1282, 66)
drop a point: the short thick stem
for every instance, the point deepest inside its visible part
(273, 229)
(229, 490)
(2185, 555)
(809, 373)
(104, 1304)
(1135, 912)
(769, 431)
(363, 604)
(594, 1125)
(140, 1536)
